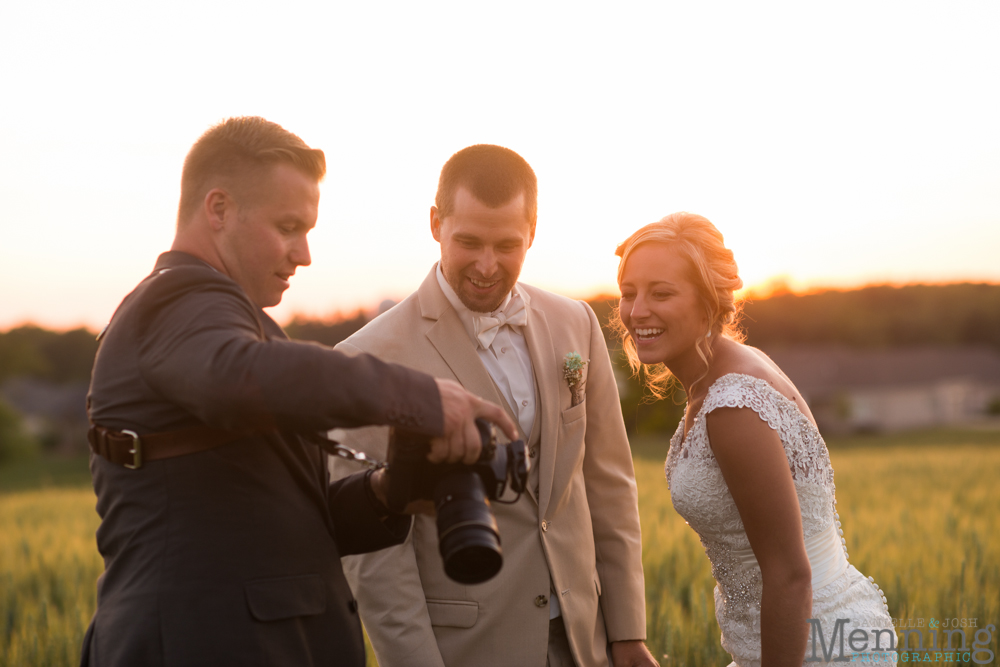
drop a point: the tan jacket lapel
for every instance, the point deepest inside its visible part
(451, 340)
(546, 368)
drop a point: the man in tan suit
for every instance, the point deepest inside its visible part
(571, 587)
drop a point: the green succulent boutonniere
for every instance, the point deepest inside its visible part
(573, 365)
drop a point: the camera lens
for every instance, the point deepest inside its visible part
(467, 532)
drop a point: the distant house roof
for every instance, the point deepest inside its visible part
(30, 396)
(819, 371)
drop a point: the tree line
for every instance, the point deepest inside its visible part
(878, 316)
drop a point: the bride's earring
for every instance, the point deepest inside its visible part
(709, 334)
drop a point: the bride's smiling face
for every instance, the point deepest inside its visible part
(660, 306)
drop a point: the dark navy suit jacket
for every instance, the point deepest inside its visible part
(231, 556)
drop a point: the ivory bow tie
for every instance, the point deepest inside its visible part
(487, 326)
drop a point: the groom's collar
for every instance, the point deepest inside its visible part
(434, 301)
(467, 316)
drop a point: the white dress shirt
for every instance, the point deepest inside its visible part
(506, 360)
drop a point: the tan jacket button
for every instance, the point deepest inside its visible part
(541, 601)
(545, 525)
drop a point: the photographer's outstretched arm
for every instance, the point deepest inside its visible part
(206, 354)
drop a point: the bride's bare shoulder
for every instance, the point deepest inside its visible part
(733, 357)
(748, 360)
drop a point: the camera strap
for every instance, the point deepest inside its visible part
(345, 452)
(334, 448)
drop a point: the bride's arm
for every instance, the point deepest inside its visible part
(755, 468)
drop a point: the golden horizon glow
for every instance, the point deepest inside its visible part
(777, 286)
(835, 146)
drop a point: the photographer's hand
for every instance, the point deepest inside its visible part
(461, 440)
(378, 483)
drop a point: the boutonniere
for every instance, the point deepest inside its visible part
(573, 365)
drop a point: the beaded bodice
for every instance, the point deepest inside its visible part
(699, 494)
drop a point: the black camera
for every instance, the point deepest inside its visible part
(467, 532)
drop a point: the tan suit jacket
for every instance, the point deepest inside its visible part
(581, 525)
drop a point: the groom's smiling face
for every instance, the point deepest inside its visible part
(482, 248)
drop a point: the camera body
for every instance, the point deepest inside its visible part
(467, 532)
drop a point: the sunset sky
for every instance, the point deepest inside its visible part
(833, 144)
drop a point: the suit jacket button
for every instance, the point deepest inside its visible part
(545, 526)
(533, 452)
(541, 601)
(352, 606)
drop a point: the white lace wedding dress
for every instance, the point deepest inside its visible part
(700, 495)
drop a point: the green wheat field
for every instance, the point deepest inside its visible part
(921, 514)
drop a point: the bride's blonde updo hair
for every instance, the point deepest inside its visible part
(711, 269)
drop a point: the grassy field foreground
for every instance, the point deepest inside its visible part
(921, 514)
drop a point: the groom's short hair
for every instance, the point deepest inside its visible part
(493, 174)
(235, 151)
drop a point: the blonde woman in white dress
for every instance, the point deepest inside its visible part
(747, 467)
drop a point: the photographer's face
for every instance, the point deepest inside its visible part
(482, 248)
(266, 242)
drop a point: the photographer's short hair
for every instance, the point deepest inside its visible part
(235, 151)
(493, 174)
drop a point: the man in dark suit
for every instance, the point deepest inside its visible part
(220, 533)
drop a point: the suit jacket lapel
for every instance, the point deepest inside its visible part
(547, 376)
(451, 340)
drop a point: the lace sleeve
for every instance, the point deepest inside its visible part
(804, 447)
(740, 391)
